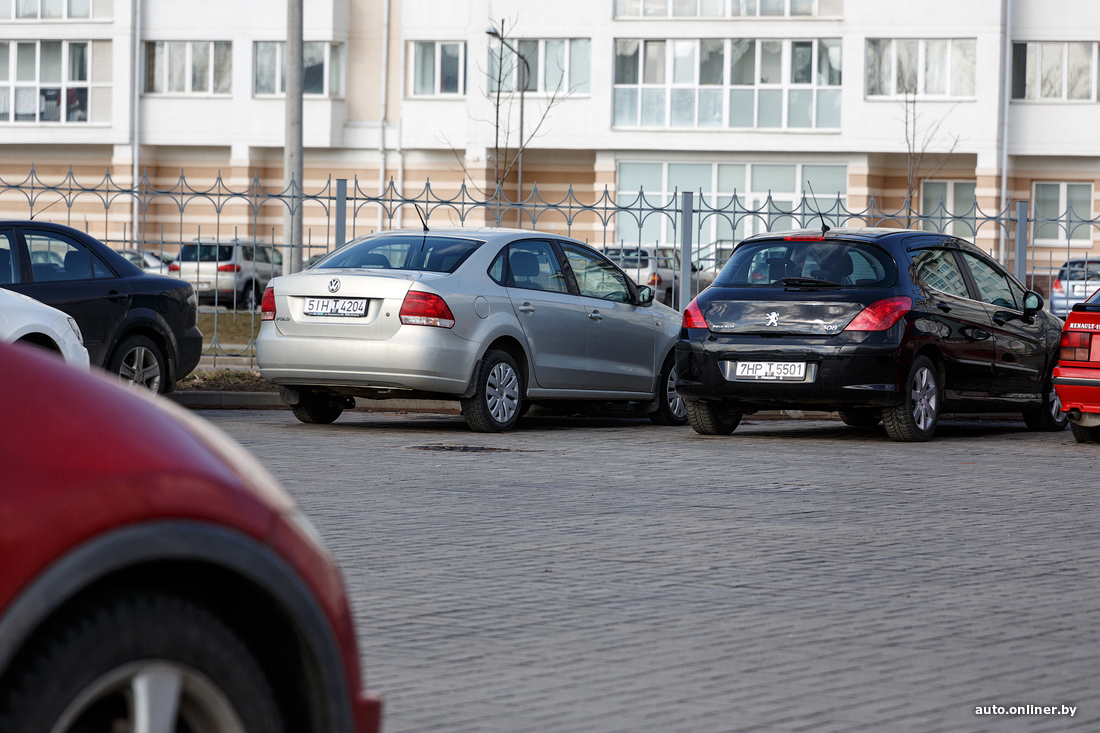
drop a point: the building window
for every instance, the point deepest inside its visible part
(720, 227)
(1054, 71)
(439, 67)
(44, 81)
(948, 199)
(557, 65)
(746, 83)
(1063, 211)
(188, 67)
(46, 9)
(322, 75)
(714, 8)
(933, 68)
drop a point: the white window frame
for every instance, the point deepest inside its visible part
(894, 94)
(727, 10)
(333, 49)
(9, 85)
(13, 11)
(436, 75)
(784, 86)
(1063, 239)
(748, 198)
(1094, 68)
(540, 74)
(189, 76)
(929, 208)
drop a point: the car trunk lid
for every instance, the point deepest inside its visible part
(781, 317)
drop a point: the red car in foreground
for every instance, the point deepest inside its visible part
(1077, 376)
(154, 577)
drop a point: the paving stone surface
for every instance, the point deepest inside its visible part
(609, 575)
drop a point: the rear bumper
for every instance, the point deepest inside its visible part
(1078, 388)
(420, 358)
(838, 375)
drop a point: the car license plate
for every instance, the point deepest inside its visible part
(784, 371)
(204, 285)
(1079, 290)
(348, 307)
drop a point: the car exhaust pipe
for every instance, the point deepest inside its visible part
(1084, 419)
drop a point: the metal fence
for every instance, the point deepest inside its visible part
(675, 241)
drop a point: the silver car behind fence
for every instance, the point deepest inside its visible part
(497, 319)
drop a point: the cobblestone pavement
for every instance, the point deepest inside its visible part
(610, 575)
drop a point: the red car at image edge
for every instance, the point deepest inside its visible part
(1077, 376)
(153, 576)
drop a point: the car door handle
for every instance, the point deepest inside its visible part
(526, 308)
(114, 295)
(595, 316)
(943, 307)
(999, 319)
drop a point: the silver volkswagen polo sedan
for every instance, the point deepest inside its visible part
(498, 319)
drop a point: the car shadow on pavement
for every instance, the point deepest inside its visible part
(835, 430)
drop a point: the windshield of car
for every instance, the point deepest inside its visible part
(206, 253)
(423, 252)
(767, 263)
(1078, 271)
(627, 258)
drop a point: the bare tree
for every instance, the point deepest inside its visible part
(509, 78)
(921, 139)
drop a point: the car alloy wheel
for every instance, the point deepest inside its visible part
(151, 696)
(916, 417)
(675, 401)
(925, 396)
(140, 368)
(502, 393)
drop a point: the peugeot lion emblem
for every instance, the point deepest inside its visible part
(773, 319)
(334, 285)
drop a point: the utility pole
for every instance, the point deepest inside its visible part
(292, 147)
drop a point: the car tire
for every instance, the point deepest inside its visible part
(498, 399)
(317, 409)
(93, 665)
(1049, 418)
(916, 418)
(861, 417)
(670, 405)
(1084, 433)
(246, 299)
(139, 362)
(711, 418)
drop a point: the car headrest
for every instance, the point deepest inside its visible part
(374, 261)
(524, 264)
(77, 265)
(780, 267)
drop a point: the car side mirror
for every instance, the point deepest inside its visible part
(1032, 302)
(645, 295)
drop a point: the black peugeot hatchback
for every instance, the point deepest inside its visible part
(882, 325)
(139, 326)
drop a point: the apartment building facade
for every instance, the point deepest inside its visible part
(758, 99)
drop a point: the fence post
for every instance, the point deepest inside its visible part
(341, 211)
(687, 229)
(1019, 266)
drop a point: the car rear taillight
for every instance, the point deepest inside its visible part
(1057, 287)
(693, 317)
(267, 305)
(654, 280)
(229, 268)
(425, 309)
(174, 267)
(1078, 346)
(881, 314)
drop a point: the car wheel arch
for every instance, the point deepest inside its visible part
(167, 556)
(39, 339)
(515, 349)
(936, 357)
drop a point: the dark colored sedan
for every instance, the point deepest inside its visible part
(154, 576)
(139, 326)
(881, 324)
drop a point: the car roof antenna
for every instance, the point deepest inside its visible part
(36, 213)
(421, 215)
(824, 226)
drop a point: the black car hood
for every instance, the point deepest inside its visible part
(782, 313)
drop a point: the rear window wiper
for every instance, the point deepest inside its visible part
(808, 282)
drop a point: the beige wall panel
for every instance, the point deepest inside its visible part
(101, 61)
(101, 104)
(103, 8)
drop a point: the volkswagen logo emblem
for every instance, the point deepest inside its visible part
(334, 285)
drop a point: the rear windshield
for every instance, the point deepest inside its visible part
(206, 253)
(422, 252)
(848, 264)
(1078, 271)
(627, 258)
